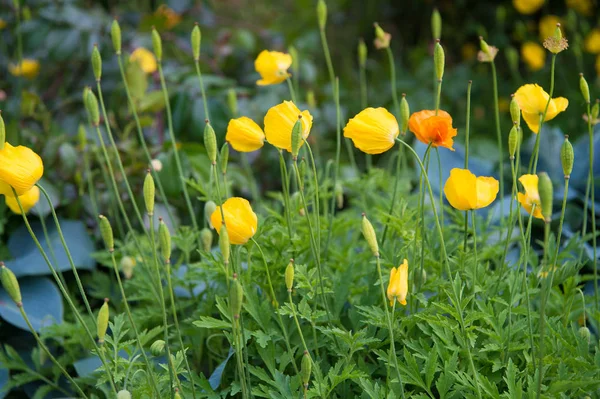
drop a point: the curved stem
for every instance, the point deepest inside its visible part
(498, 134)
(545, 287)
(392, 65)
(543, 115)
(394, 194)
(317, 196)
(291, 88)
(286, 197)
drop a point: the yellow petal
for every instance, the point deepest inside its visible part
(487, 190)
(28, 68)
(532, 120)
(240, 220)
(373, 130)
(145, 58)
(279, 122)
(461, 189)
(391, 290)
(402, 282)
(531, 195)
(532, 99)
(556, 106)
(20, 168)
(272, 67)
(28, 200)
(244, 135)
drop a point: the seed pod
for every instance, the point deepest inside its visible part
(2, 132)
(209, 208)
(10, 284)
(558, 33)
(127, 265)
(546, 195)
(322, 14)
(164, 240)
(210, 143)
(115, 33)
(107, 233)
(362, 53)
(81, 137)
(339, 195)
(513, 141)
(224, 244)
(236, 297)
(196, 39)
(439, 60)
(379, 32)
(297, 137)
(584, 88)
(369, 233)
(206, 237)
(484, 46)
(436, 24)
(158, 347)
(123, 394)
(404, 114)
(224, 158)
(585, 333)
(306, 369)
(289, 275)
(91, 103)
(157, 44)
(149, 193)
(97, 63)
(232, 101)
(102, 321)
(515, 111)
(567, 157)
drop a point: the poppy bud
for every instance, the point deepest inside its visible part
(585, 88)
(585, 333)
(322, 14)
(157, 44)
(362, 53)
(232, 101)
(436, 24)
(127, 265)
(513, 141)
(123, 394)
(236, 297)
(206, 237)
(297, 137)
(289, 275)
(10, 284)
(209, 208)
(567, 157)
(149, 193)
(224, 158)
(107, 233)
(115, 33)
(81, 136)
(382, 39)
(224, 244)
(369, 233)
(158, 347)
(2, 132)
(96, 63)
(546, 195)
(196, 38)
(102, 321)
(404, 114)
(515, 111)
(164, 239)
(306, 369)
(558, 33)
(91, 103)
(210, 143)
(439, 59)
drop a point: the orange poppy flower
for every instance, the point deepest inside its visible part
(433, 129)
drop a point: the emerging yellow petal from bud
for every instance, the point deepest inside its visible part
(465, 191)
(240, 220)
(531, 196)
(373, 130)
(280, 121)
(28, 200)
(244, 135)
(398, 284)
(20, 168)
(145, 59)
(272, 67)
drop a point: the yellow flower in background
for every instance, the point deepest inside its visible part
(398, 285)
(531, 196)
(145, 59)
(583, 7)
(468, 51)
(240, 220)
(28, 69)
(20, 168)
(280, 121)
(534, 55)
(244, 135)
(527, 6)
(272, 67)
(592, 41)
(467, 192)
(28, 200)
(547, 26)
(171, 17)
(2, 24)
(532, 100)
(373, 130)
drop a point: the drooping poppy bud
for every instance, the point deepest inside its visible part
(369, 234)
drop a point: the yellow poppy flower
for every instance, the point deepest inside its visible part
(2, 24)
(272, 67)
(280, 121)
(532, 100)
(531, 196)
(533, 55)
(547, 26)
(28, 200)
(240, 220)
(592, 41)
(244, 135)
(398, 285)
(527, 6)
(28, 69)
(145, 59)
(20, 168)
(373, 130)
(583, 7)
(466, 192)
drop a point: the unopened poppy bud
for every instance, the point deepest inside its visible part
(149, 193)
(322, 14)
(91, 103)
(224, 158)
(362, 53)
(2, 132)
(567, 157)
(585, 333)
(158, 347)
(209, 208)
(513, 141)
(107, 233)
(339, 195)
(306, 369)
(224, 244)
(515, 111)
(127, 265)
(177, 395)
(210, 143)
(196, 39)
(96, 63)
(123, 394)
(157, 44)
(232, 101)
(369, 233)
(546, 195)
(404, 114)
(206, 237)
(10, 284)
(236, 297)
(439, 60)
(164, 240)
(436, 24)
(585, 88)
(81, 137)
(297, 137)
(115, 33)
(302, 172)
(102, 321)
(289, 275)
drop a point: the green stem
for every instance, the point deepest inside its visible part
(19, 59)
(201, 83)
(238, 356)
(439, 162)
(286, 197)
(473, 222)
(543, 310)
(291, 88)
(498, 134)
(543, 116)
(250, 175)
(438, 96)
(394, 194)
(317, 196)
(467, 140)
(393, 80)
(422, 208)
(362, 76)
(51, 247)
(593, 204)
(90, 183)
